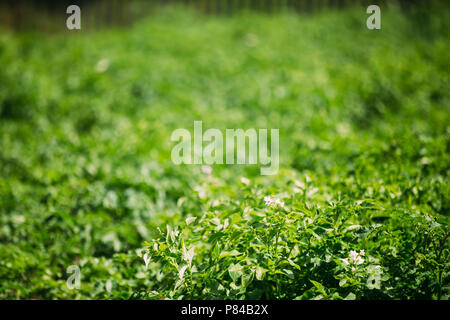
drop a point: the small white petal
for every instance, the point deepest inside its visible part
(206, 169)
(245, 180)
(147, 259)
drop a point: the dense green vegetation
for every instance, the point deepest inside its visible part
(86, 176)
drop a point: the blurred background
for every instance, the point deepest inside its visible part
(50, 14)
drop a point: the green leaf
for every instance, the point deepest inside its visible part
(319, 287)
(260, 272)
(289, 273)
(235, 271)
(225, 254)
(190, 220)
(350, 296)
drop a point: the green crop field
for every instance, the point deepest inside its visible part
(359, 208)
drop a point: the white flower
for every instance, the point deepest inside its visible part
(279, 202)
(268, 200)
(206, 169)
(345, 261)
(353, 255)
(201, 192)
(299, 184)
(355, 258)
(272, 202)
(216, 203)
(353, 269)
(146, 259)
(245, 180)
(102, 65)
(362, 253)
(359, 261)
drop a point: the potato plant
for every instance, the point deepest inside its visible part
(357, 210)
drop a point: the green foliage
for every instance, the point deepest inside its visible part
(241, 248)
(86, 176)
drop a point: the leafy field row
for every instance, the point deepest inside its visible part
(358, 210)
